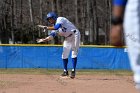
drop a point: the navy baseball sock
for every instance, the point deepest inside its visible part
(65, 62)
(74, 62)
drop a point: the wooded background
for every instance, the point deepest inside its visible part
(18, 19)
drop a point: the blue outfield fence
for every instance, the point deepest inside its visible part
(38, 56)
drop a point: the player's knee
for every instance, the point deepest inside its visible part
(64, 56)
(73, 56)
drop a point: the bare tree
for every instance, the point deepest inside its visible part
(5, 8)
(17, 18)
(90, 20)
(96, 27)
(12, 20)
(76, 12)
(31, 12)
(21, 20)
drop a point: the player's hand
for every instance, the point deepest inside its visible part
(41, 26)
(116, 35)
(44, 39)
(40, 40)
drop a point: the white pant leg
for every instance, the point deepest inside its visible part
(132, 35)
(66, 49)
(75, 44)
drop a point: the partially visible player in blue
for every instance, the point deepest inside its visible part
(65, 28)
(126, 15)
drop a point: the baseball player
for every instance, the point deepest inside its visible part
(127, 13)
(65, 28)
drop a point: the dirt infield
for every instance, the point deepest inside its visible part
(23, 83)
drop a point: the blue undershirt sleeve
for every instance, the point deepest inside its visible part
(119, 2)
(53, 34)
(57, 26)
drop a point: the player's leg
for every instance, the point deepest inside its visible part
(65, 54)
(132, 35)
(75, 47)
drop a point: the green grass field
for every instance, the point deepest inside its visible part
(58, 71)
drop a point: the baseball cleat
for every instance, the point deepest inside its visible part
(65, 73)
(72, 74)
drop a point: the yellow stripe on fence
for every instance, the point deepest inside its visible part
(98, 46)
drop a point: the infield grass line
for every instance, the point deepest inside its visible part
(37, 71)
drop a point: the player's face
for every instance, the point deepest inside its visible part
(51, 20)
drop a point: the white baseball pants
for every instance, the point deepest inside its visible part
(71, 43)
(132, 35)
